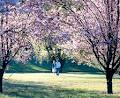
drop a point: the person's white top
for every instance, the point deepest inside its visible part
(57, 65)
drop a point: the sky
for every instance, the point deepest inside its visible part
(12, 1)
(2, 3)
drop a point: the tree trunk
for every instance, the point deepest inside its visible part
(109, 77)
(62, 63)
(1, 80)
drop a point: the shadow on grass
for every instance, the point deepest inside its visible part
(32, 90)
(36, 91)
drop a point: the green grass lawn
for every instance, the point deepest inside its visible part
(48, 85)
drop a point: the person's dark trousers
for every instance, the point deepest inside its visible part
(57, 71)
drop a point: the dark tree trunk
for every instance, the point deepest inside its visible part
(1, 80)
(62, 64)
(109, 76)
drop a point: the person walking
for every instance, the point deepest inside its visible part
(53, 66)
(57, 66)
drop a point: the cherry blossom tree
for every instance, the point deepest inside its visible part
(48, 27)
(99, 22)
(13, 34)
(74, 25)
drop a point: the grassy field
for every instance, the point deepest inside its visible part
(48, 85)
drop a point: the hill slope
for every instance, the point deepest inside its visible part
(45, 66)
